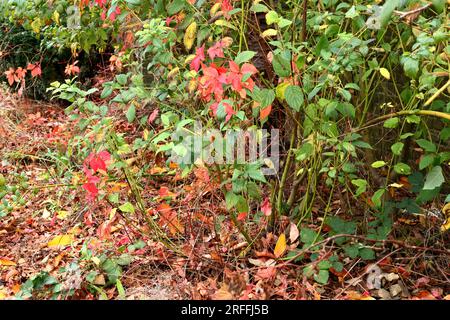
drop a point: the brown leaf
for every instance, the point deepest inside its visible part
(223, 293)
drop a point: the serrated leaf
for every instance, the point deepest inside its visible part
(391, 123)
(294, 97)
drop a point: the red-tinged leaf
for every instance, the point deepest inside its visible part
(10, 75)
(21, 73)
(266, 273)
(97, 164)
(242, 216)
(248, 68)
(216, 50)
(425, 295)
(104, 230)
(422, 282)
(153, 116)
(198, 59)
(266, 207)
(92, 190)
(264, 113)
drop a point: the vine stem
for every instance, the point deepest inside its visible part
(431, 113)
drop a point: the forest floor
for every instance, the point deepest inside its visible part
(28, 130)
(54, 210)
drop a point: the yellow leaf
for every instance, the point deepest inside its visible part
(189, 36)
(269, 33)
(146, 134)
(280, 247)
(55, 16)
(61, 241)
(6, 262)
(214, 9)
(281, 89)
(385, 73)
(62, 214)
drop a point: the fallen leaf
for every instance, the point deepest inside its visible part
(61, 241)
(280, 247)
(7, 262)
(223, 293)
(293, 232)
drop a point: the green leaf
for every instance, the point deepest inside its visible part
(258, 7)
(256, 174)
(122, 79)
(426, 145)
(410, 65)
(346, 109)
(282, 63)
(175, 7)
(107, 91)
(127, 208)
(402, 168)
(352, 251)
(376, 198)
(378, 164)
(266, 97)
(426, 161)
(294, 97)
(391, 123)
(231, 199)
(434, 179)
(131, 113)
(397, 148)
(367, 254)
(322, 276)
(244, 56)
(308, 236)
(361, 184)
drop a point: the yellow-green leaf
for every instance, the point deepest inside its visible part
(280, 247)
(189, 36)
(269, 33)
(385, 73)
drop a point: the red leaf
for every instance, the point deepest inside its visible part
(242, 216)
(153, 116)
(216, 50)
(264, 113)
(10, 76)
(91, 189)
(199, 57)
(266, 207)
